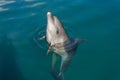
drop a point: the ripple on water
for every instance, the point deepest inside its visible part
(39, 32)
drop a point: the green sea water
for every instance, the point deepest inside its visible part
(23, 57)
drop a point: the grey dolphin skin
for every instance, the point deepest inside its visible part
(60, 43)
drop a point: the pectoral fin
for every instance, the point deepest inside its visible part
(49, 49)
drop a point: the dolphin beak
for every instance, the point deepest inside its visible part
(49, 15)
(50, 18)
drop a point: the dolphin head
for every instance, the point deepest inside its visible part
(55, 32)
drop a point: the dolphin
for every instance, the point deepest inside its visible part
(60, 43)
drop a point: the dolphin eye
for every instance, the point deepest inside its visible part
(57, 32)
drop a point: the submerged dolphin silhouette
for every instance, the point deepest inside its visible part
(60, 43)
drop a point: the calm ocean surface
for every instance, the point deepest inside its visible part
(22, 57)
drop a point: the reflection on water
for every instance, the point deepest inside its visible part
(9, 69)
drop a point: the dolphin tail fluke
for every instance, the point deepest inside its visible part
(56, 75)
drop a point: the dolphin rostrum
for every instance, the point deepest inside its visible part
(60, 43)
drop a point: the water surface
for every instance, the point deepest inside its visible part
(22, 21)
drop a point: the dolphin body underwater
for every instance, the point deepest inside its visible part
(60, 43)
